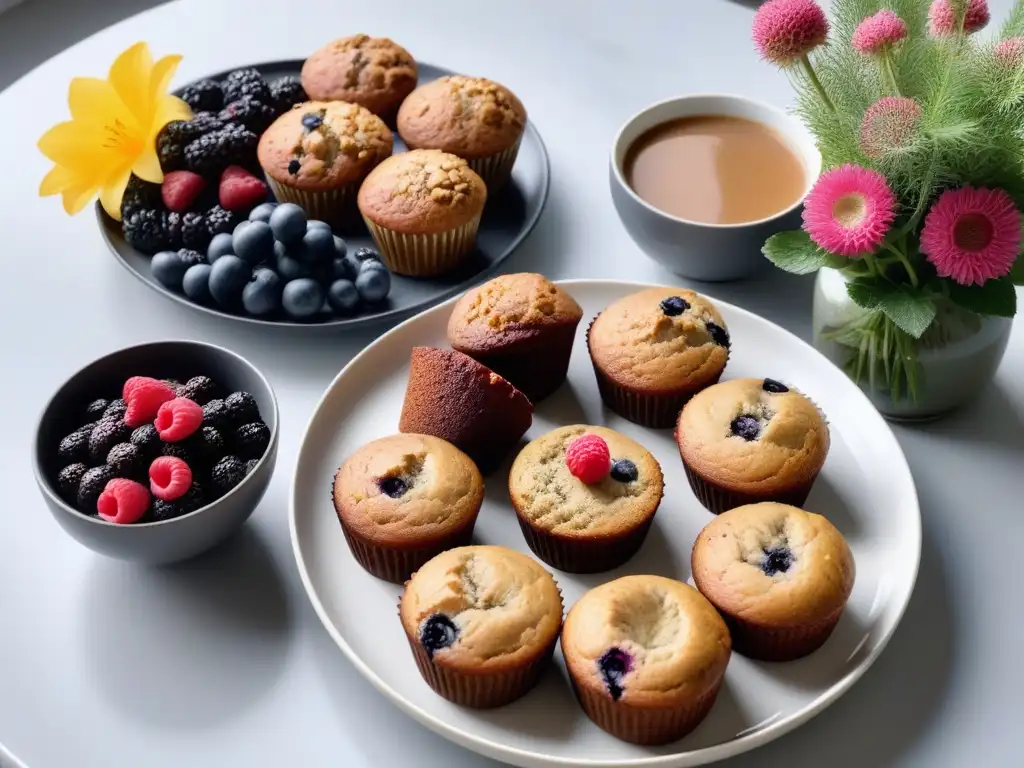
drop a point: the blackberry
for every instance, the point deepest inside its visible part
(203, 95)
(211, 153)
(199, 389)
(286, 93)
(180, 450)
(192, 500)
(226, 474)
(220, 220)
(201, 124)
(250, 465)
(105, 436)
(126, 460)
(206, 447)
(115, 409)
(190, 258)
(147, 440)
(251, 440)
(245, 82)
(254, 115)
(138, 195)
(144, 230)
(194, 233)
(96, 408)
(91, 486)
(74, 448)
(242, 408)
(171, 222)
(170, 145)
(215, 414)
(69, 479)
(172, 383)
(87, 427)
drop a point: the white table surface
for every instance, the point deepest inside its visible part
(222, 661)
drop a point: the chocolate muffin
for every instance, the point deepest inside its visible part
(522, 327)
(452, 396)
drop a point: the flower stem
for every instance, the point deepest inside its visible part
(813, 77)
(911, 272)
(869, 259)
(887, 68)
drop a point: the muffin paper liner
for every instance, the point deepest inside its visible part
(718, 499)
(337, 207)
(583, 555)
(648, 726)
(424, 255)
(495, 169)
(535, 372)
(756, 641)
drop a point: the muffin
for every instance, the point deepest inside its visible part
(482, 624)
(646, 657)
(779, 576)
(374, 72)
(472, 117)
(423, 209)
(520, 326)
(585, 497)
(451, 396)
(405, 498)
(750, 440)
(653, 350)
(318, 153)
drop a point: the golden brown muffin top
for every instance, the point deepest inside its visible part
(660, 340)
(507, 310)
(773, 565)
(424, 191)
(547, 494)
(646, 639)
(482, 607)
(375, 72)
(322, 144)
(407, 487)
(750, 435)
(467, 116)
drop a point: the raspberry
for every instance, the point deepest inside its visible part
(239, 190)
(122, 501)
(143, 397)
(177, 419)
(588, 458)
(169, 478)
(180, 189)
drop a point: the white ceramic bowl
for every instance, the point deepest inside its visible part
(710, 252)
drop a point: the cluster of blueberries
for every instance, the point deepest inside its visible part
(276, 261)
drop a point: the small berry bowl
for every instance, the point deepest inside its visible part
(151, 477)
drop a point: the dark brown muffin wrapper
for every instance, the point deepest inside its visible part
(718, 499)
(756, 641)
(583, 555)
(535, 372)
(648, 726)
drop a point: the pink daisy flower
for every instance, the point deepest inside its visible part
(943, 21)
(1009, 52)
(879, 32)
(972, 234)
(849, 210)
(889, 124)
(787, 30)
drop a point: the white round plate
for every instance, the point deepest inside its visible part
(866, 489)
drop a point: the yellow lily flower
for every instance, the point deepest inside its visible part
(112, 132)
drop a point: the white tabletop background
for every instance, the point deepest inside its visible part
(222, 661)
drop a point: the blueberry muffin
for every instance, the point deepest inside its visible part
(403, 499)
(482, 624)
(477, 119)
(423, 209)
(374, 72)
(653, 350)
(451, 396)
(318, 153)
(646, 657)
(585, 497)
(750, 440)
(780, 577)
(520, 326)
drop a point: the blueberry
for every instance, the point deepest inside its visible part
(351, 265)
(317, 245)
(317, 224)
(341, 269)
(436, 632)
(395, 487)
(340, 247)
(288, 267)
(262, 212)
(362, 254)
(169, 269)
(674, 305)
(624, 471)
(373, 284)
(614, 665)
(372, 264)
(197, 283)
(288, 222)
(302, 298)
(228, 276)
(240, 226)
(220, 246)
(773, 386)
(311, 121)
(777, 560)
(746, 427)
(718, 334)
(294, 166)
(254, 243)
(343, 297)
(263, 293)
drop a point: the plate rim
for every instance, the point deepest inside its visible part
(523, 757)
(351, 323)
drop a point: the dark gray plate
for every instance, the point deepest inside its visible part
(508, 219)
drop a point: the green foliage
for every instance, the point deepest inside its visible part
(996, 297)
(795, 252)
(909, 308)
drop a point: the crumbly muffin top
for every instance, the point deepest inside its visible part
(479, 607)
(323, 143)
(660, 340)
(546, 493)
(423, 191)
(644, 638)
(508, 309)
(773, 564)
(749, 434)
(468, 116)
(407, 487)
